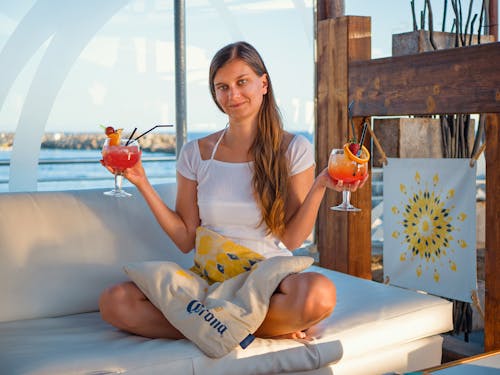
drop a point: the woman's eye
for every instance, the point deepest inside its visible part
(242, 81)
(221, 88)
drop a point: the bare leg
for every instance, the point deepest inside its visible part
(127, 308)
(301, 301)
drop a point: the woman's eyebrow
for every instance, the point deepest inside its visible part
(237, 78)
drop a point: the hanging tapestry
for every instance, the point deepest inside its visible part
(430, 226)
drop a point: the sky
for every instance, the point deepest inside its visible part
(70, 66)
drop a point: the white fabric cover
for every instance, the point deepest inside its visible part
(217, 317)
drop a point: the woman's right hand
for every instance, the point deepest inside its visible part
(136, 174)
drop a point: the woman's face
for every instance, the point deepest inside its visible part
(239, 91)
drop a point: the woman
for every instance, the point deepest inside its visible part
(251, 182)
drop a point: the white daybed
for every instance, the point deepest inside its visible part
(59, 250)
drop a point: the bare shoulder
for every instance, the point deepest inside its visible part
(207, 144)
(287, 138)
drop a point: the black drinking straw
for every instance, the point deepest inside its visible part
(362, 139)
(154, 127)
(130, 138)
(352, 123)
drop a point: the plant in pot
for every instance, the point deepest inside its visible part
(458, 136)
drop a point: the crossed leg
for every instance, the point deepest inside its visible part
(300, 301)
(126, 307)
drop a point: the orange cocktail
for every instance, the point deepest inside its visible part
(341, 167)
(349, 168)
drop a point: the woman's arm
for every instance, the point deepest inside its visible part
(304, 198)
(179, 224)
(301, 207)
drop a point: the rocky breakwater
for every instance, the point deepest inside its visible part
(93, 141)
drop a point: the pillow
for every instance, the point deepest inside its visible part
(215, 317)
(218, 258)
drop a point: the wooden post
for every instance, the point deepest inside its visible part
(329, 9)
(493, 19)
(492, 259)
(344, 239)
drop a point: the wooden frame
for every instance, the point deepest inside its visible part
(461, 80)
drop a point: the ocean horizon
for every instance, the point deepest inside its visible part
(82, 169)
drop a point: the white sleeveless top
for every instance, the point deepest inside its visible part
(225, 199)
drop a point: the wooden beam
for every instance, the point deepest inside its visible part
(344, 239)
(458, 80)
(492, 219)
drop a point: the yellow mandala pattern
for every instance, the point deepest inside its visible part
(427, 232)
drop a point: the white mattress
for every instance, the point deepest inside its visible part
(369, 318)
(396, 359)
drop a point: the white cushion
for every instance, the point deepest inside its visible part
(59, 250)
(368, 319)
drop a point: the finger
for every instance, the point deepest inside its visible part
(364, 180)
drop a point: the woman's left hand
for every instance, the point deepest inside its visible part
(338, 185)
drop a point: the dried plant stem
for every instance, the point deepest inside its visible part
(412, 4)
(460, 23)
(469, 13)
(467, 125)
(444, 135)
(445, 8)
(481, 22)
(456, 23)
(431, 25)
(461, 137)
(479, 133)
(472, 29)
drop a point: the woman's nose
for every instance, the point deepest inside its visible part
(234, 92)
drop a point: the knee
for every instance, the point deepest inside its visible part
(112, 301)
(320, 297)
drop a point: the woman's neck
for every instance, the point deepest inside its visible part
(240, 136)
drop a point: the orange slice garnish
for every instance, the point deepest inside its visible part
(114, 138)
(362, 159)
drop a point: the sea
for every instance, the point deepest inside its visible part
(61, 169)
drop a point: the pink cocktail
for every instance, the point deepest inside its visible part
(120, 157)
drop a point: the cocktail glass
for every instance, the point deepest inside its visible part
(342, 167)
(120, 157)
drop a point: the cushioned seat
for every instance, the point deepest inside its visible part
(52, 274)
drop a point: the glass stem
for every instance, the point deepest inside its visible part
(346, 198)
(118, 181)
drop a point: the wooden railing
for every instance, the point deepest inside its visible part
(460, 80)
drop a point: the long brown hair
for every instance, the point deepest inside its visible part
(271, 169)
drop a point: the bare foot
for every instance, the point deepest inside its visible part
(299, 335)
